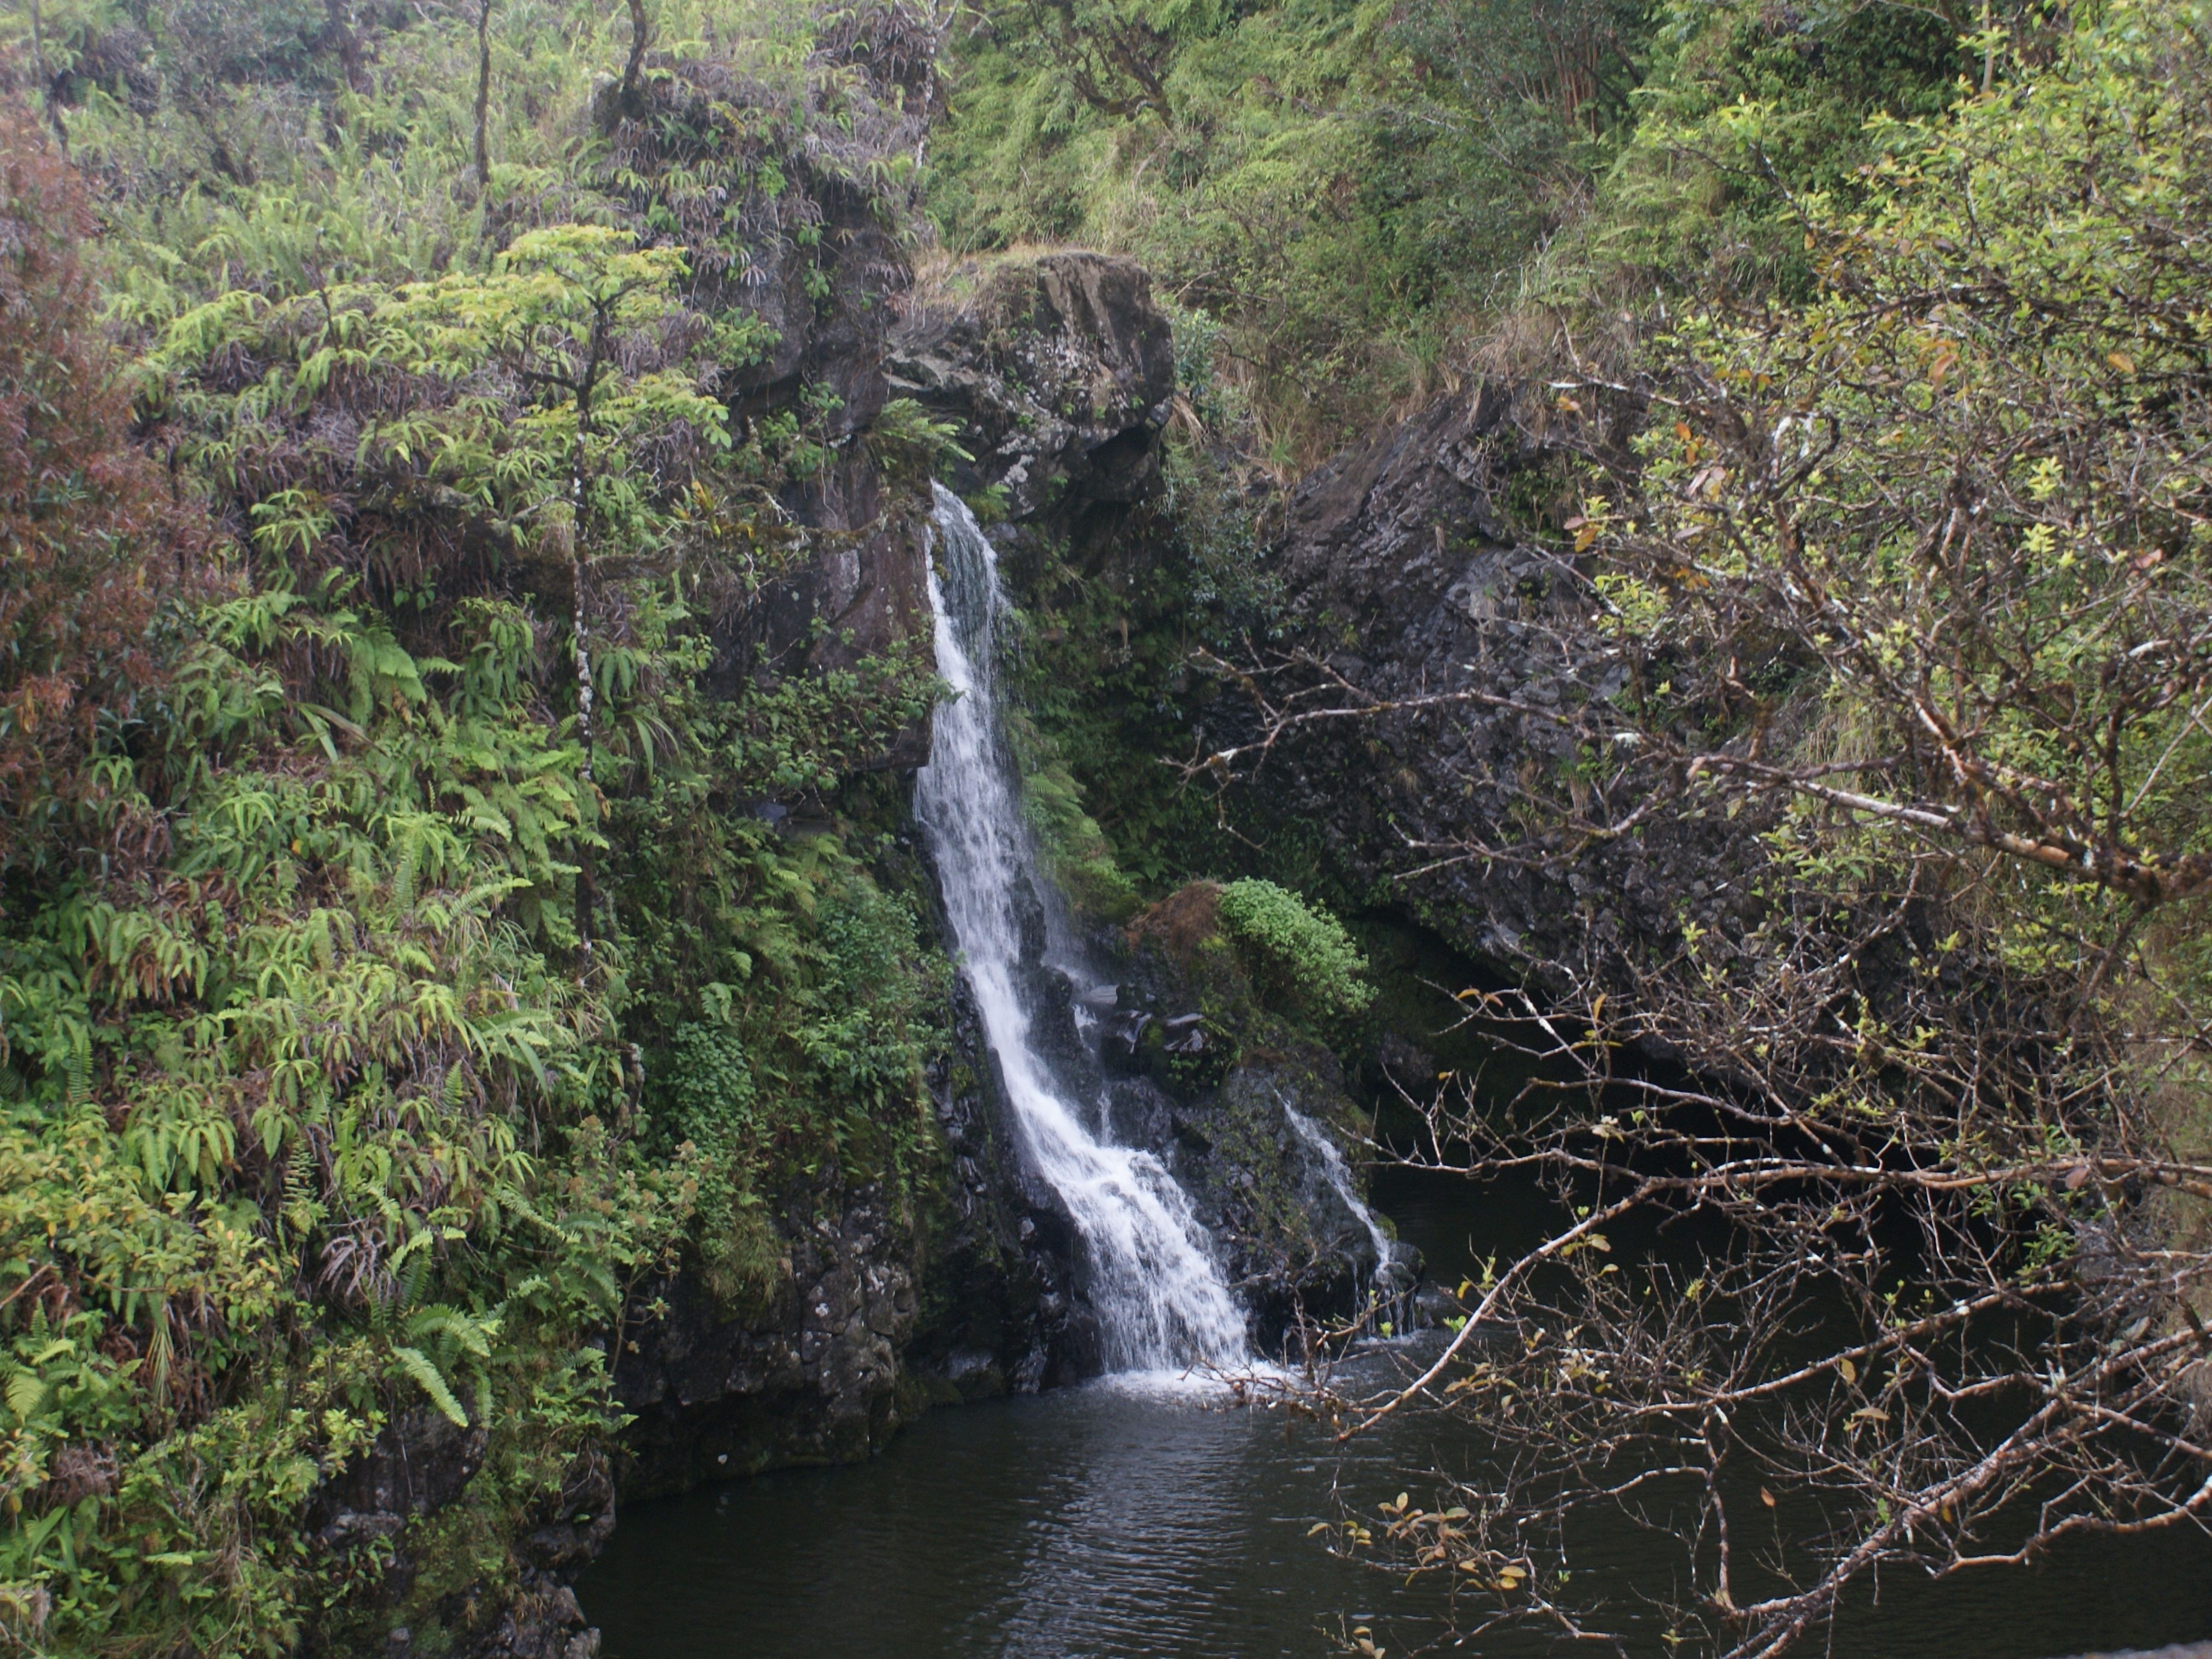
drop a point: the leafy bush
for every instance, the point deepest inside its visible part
(1296, 953)
(713, 1106)
(1749, 113)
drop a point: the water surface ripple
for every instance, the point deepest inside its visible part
(1128, 1519)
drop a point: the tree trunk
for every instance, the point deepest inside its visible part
(484, 94)
(637, 37)
(579, 498)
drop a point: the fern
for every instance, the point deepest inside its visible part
(417, 1365)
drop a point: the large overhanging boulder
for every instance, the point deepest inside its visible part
(1059, 369)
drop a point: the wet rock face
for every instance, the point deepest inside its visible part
(1297, 1249)
(717, 1393)
(1298, 1255)
(1001, 1314)
(1059, 370)
(1399, 553)
(857, 589)
(880, 1316)
(422, 1463)
(1210, 1093)
(1378, 534)
(543, 1621)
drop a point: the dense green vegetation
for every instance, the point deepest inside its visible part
(1361, 203)
(1106, 698)
(392, 979)
(1955, 494)
(1302, 958)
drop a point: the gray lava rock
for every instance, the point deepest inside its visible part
(816, 1380)
(1398, 553)
(1059, 369)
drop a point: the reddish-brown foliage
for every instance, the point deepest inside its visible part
(83, 510)
(1180, 922)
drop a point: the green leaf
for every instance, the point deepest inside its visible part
(418, 1366)
(27, 1391)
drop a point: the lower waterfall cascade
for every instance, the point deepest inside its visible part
(1161, 1299)
(1392, 1283)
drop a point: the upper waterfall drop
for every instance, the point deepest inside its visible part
(1161, 1299)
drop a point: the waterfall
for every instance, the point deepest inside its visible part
(1391, 1281)
(1160, 1297)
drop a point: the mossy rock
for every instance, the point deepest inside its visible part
(1258, 961)
(1189, 1056)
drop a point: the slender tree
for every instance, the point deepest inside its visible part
(484, 94)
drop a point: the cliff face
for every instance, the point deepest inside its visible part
(884, 1308)
(855, 591)
(1059, 371)
(812, 1378)
(1058, 374)
(1398, 559)
(1401, 565)
(1058, 380)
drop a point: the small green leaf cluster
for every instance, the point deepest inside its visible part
(1082, 859)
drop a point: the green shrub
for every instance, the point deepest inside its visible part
(1294, 953)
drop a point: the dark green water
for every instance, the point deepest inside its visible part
(1113, 1522)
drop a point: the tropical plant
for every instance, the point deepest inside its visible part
(357, 704)
(1296, 953)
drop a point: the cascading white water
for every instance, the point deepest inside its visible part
(1161, 1300)
(1338, 1174)
(1390, 1282)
